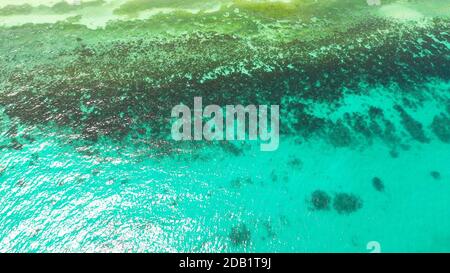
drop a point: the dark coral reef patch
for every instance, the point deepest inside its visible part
(346, 203)
(436, 175)
(320, 200)
(114, 89)
(378, 184)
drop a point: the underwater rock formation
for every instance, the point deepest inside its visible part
(320, 200)
(441, 127)
(340, 135)
(436, 175)
(345, 203)
(295, 163)
(414, 128)
(378, 184)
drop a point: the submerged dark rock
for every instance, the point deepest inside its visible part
(240, 235)
(393, 153)
(436, 175)
(320, 200)
(345, 203)
(295, 163)
(412, 126)
(340, 135)
(360, 125)
(273, 176)
(378, 184)
(441, 127)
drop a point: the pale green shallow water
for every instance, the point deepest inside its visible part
(78, 172)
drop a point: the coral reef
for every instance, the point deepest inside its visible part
(114, 89)
(320, 200)
(345, 203)
(436, 175)
(441, 127)
(378, 184)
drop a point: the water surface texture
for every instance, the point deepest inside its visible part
(87, 162)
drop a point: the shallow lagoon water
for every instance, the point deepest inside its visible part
(64, 201)
(87, 164)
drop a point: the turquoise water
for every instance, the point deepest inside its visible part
(87, 163)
